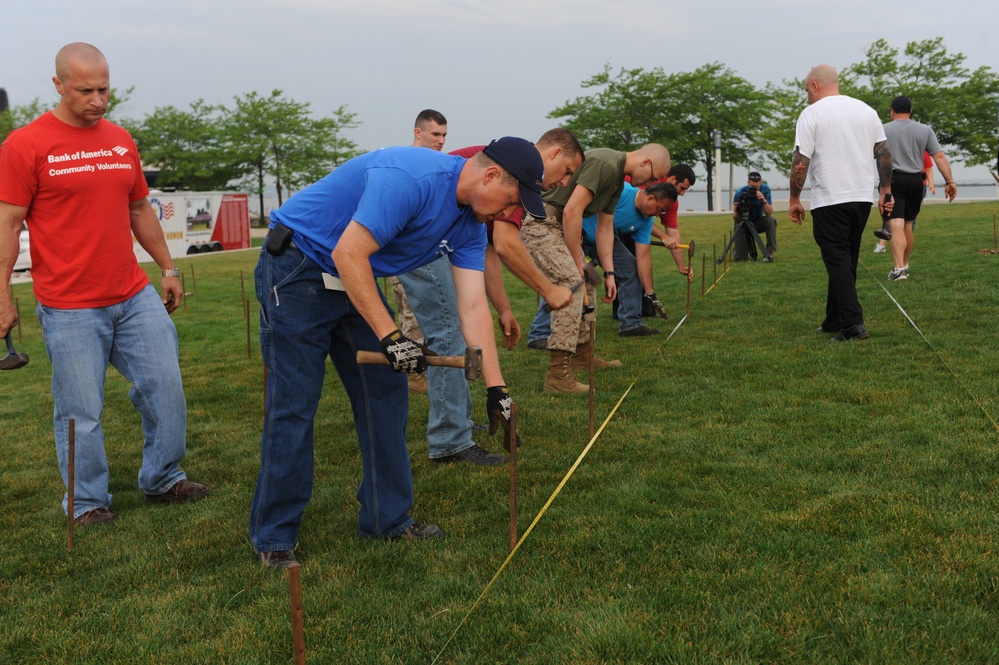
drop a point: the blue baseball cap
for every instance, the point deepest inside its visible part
(521, 159)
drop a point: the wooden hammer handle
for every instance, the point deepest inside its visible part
(377, 358)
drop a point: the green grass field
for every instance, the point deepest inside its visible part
(760, 495)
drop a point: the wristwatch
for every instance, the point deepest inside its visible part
(171, 273)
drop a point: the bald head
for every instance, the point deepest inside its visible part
(648, 163)
(77, 53)
(821, 82)
(82, 81)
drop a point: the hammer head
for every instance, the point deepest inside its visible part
(690, 249)
(590, 274)
(13, 361)
(473, 363)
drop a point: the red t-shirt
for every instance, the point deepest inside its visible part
(517, 218)
(77, 184)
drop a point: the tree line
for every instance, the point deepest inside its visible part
(271, 140)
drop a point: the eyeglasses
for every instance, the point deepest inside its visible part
(652, 172)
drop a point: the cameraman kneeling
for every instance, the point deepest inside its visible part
(756, 196)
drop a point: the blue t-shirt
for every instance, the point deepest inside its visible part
(627, 220)
(405, 196)
(755, 205)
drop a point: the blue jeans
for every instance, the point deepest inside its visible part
(138, 338)
(431, 294)
(301, 323)
(629, 294)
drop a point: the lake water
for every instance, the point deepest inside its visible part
(696, 198)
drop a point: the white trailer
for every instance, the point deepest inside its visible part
(196, 222)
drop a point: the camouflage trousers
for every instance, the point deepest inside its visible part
(407, 320)
(546, 243)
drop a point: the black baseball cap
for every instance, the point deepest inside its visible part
(901, 104)
(755, 176)
(521, 159)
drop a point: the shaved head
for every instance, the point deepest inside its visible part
(658, 154)
(83, 84)
(77, 53)
(822, 81)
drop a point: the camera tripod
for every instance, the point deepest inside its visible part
(745, 227)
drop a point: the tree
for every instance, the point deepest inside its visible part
(957, 103)
(186, 148)
(276, 138)
(681, 111)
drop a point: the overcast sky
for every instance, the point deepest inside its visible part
(493, 68)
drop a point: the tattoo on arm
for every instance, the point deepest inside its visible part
(799, 172)
(882, 155)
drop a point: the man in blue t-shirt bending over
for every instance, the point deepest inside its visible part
(383, 213)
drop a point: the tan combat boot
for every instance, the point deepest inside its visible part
(581, 359)
(560, 377)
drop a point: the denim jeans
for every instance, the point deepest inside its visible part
(629, 293)
(301, 323)
(138, 338)
(431, 294)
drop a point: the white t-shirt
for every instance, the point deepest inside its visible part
(837, 134)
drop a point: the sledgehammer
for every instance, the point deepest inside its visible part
(13, 359)
(471, 362)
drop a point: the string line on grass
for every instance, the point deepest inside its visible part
(934, 350)
(538, 517)
(555, 493)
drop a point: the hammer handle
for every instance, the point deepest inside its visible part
(376, 358)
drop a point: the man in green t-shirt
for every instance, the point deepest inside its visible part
(555, 244)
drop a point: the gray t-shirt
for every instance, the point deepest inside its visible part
(908, 140)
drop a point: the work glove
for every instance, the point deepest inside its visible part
(404, 355)
(498, 406)
(653, 300)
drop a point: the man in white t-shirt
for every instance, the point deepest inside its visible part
(840, 140)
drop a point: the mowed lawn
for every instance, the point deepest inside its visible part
(758, 495)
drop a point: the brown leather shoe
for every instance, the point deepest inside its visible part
(182, 491)
(96, 516)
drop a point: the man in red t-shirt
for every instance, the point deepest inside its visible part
(77, 180)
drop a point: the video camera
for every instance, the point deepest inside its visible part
(746, 198)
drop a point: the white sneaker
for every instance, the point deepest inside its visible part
(905, 269)
(879, 248)
(897, 274)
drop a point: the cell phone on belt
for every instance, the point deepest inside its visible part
(278, 239)
(886, 215)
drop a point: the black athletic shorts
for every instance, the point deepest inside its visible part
(907, 194)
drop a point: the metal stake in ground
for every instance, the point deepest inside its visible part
(511, 445)
(71, 484)
(13, 359)
(704, 263)
(690, 261)
(593, 355)
(297, 630)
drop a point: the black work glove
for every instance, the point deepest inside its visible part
(498, 405)
(653, 300)
(404, 355)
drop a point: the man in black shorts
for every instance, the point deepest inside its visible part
(907, 140)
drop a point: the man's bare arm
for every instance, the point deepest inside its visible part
(799, 173)
(11, 218)
(882, 155)
(352, 258)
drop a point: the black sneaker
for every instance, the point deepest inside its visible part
(417, 531)
(640, 331)
(539, 344)
(278, 559)
(475, 455)
(854, 332)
